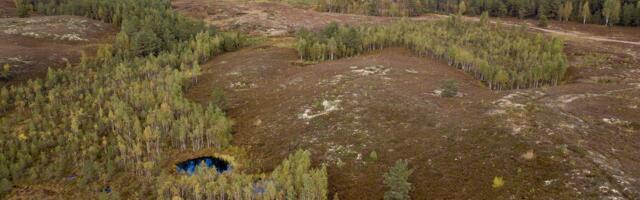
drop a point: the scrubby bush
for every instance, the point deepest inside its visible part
(449, 88)
(23, 8)
(6, 71)
(373, 156)
(543, 21)
(218, 99)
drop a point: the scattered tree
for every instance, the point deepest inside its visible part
(397, 180)
(449, 88)
(543, 21)
(373, 156)
(560, 9)
(611, 11)
(6, 71)
(586, 12)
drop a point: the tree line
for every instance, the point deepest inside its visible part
(292, 179)
(502, 57)
(609, 12)
(121, 112)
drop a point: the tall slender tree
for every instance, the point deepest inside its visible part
(586, 12)
(611, 11)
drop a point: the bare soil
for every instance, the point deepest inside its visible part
(452, 143)
(32, 45)
(574, 141)
(7, 8)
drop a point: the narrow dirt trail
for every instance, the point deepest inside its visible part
(277, 19)
(582, 36)
(575, 34)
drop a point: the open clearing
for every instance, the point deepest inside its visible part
(575, 141)
(31, 45)
(579, 140)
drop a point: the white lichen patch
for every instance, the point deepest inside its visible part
(508, 102)
(32, 34)
(327, 107)
(372, 70)
(620, 179)
(11, 31)
(336, 153)
(616, 121)
(241, 86)
(70, 37)
(515, 111)
(63, 28)
(438, 93)
(233, 73)
(335, 80)
(411, 71)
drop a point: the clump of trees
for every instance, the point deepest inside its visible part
(609, 12)
(121, 112)
(504, 58)
(293, 179)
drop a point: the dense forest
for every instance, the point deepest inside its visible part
(120, 113)
(502, 57)
(610, 12)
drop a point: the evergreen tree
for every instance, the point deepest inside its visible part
(397, 181)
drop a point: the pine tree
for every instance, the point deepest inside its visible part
(397, 181)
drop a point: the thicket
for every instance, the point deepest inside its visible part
(23, 8)
(293, 179)
(502, 57)
(619, 12)
(120, 113)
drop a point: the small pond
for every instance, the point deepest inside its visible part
(189, 166)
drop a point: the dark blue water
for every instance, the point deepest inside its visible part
(189, 166)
